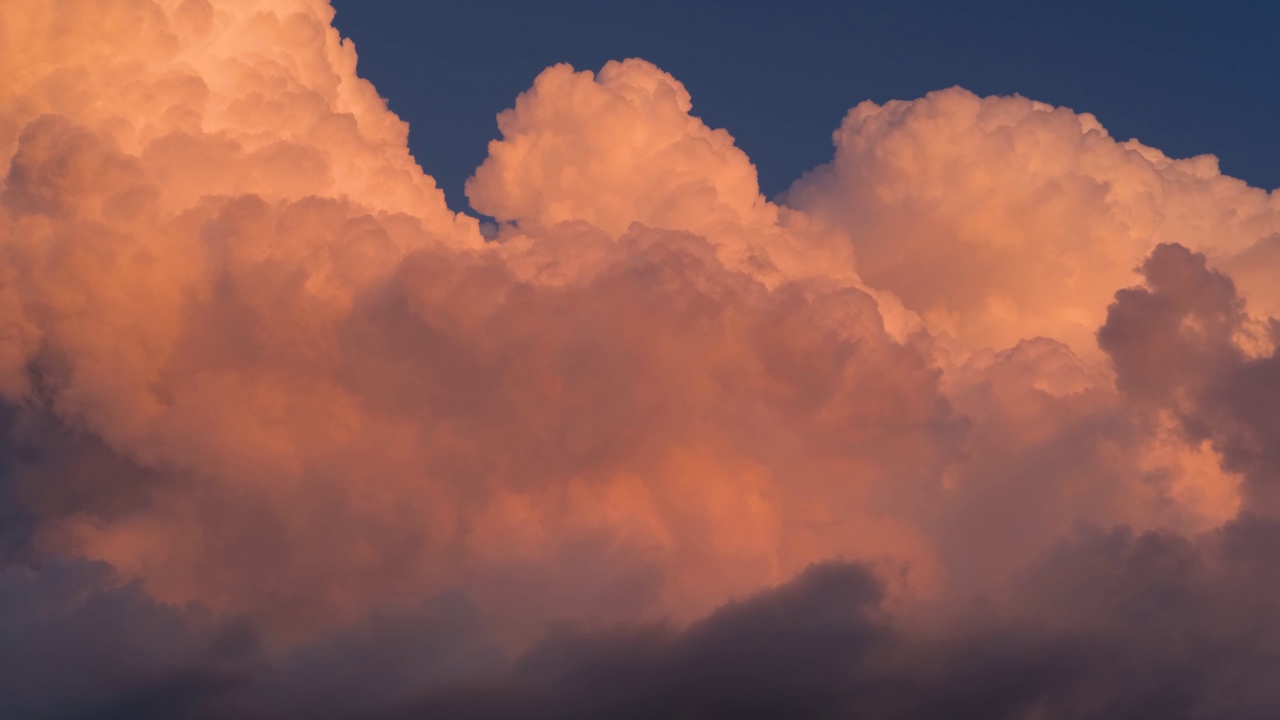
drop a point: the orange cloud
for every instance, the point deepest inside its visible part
(252, 364)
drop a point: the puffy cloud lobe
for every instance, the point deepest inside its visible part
(1002, 218)
(622, 148)
(611, 150)
(261, 96)
(323, 452)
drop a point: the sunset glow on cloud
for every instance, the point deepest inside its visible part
(978, 419)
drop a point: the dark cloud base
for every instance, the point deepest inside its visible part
(1110, 624)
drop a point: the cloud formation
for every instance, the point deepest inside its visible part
(1002, 218)
(979, 418)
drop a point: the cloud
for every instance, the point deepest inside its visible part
(80, 644)
(1108, 624)
(1174, 345)
(1002, 218)
(283, 436)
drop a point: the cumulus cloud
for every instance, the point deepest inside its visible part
(283, 436)
(1002, 218)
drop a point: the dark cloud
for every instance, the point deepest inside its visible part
(1174, 344)
(1109, 624)
(77, 644)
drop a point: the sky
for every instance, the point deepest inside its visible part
(543, 372)
(1188, 78)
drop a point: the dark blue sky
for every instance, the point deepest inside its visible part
(1186, 78)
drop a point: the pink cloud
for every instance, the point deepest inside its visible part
(253, 370)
